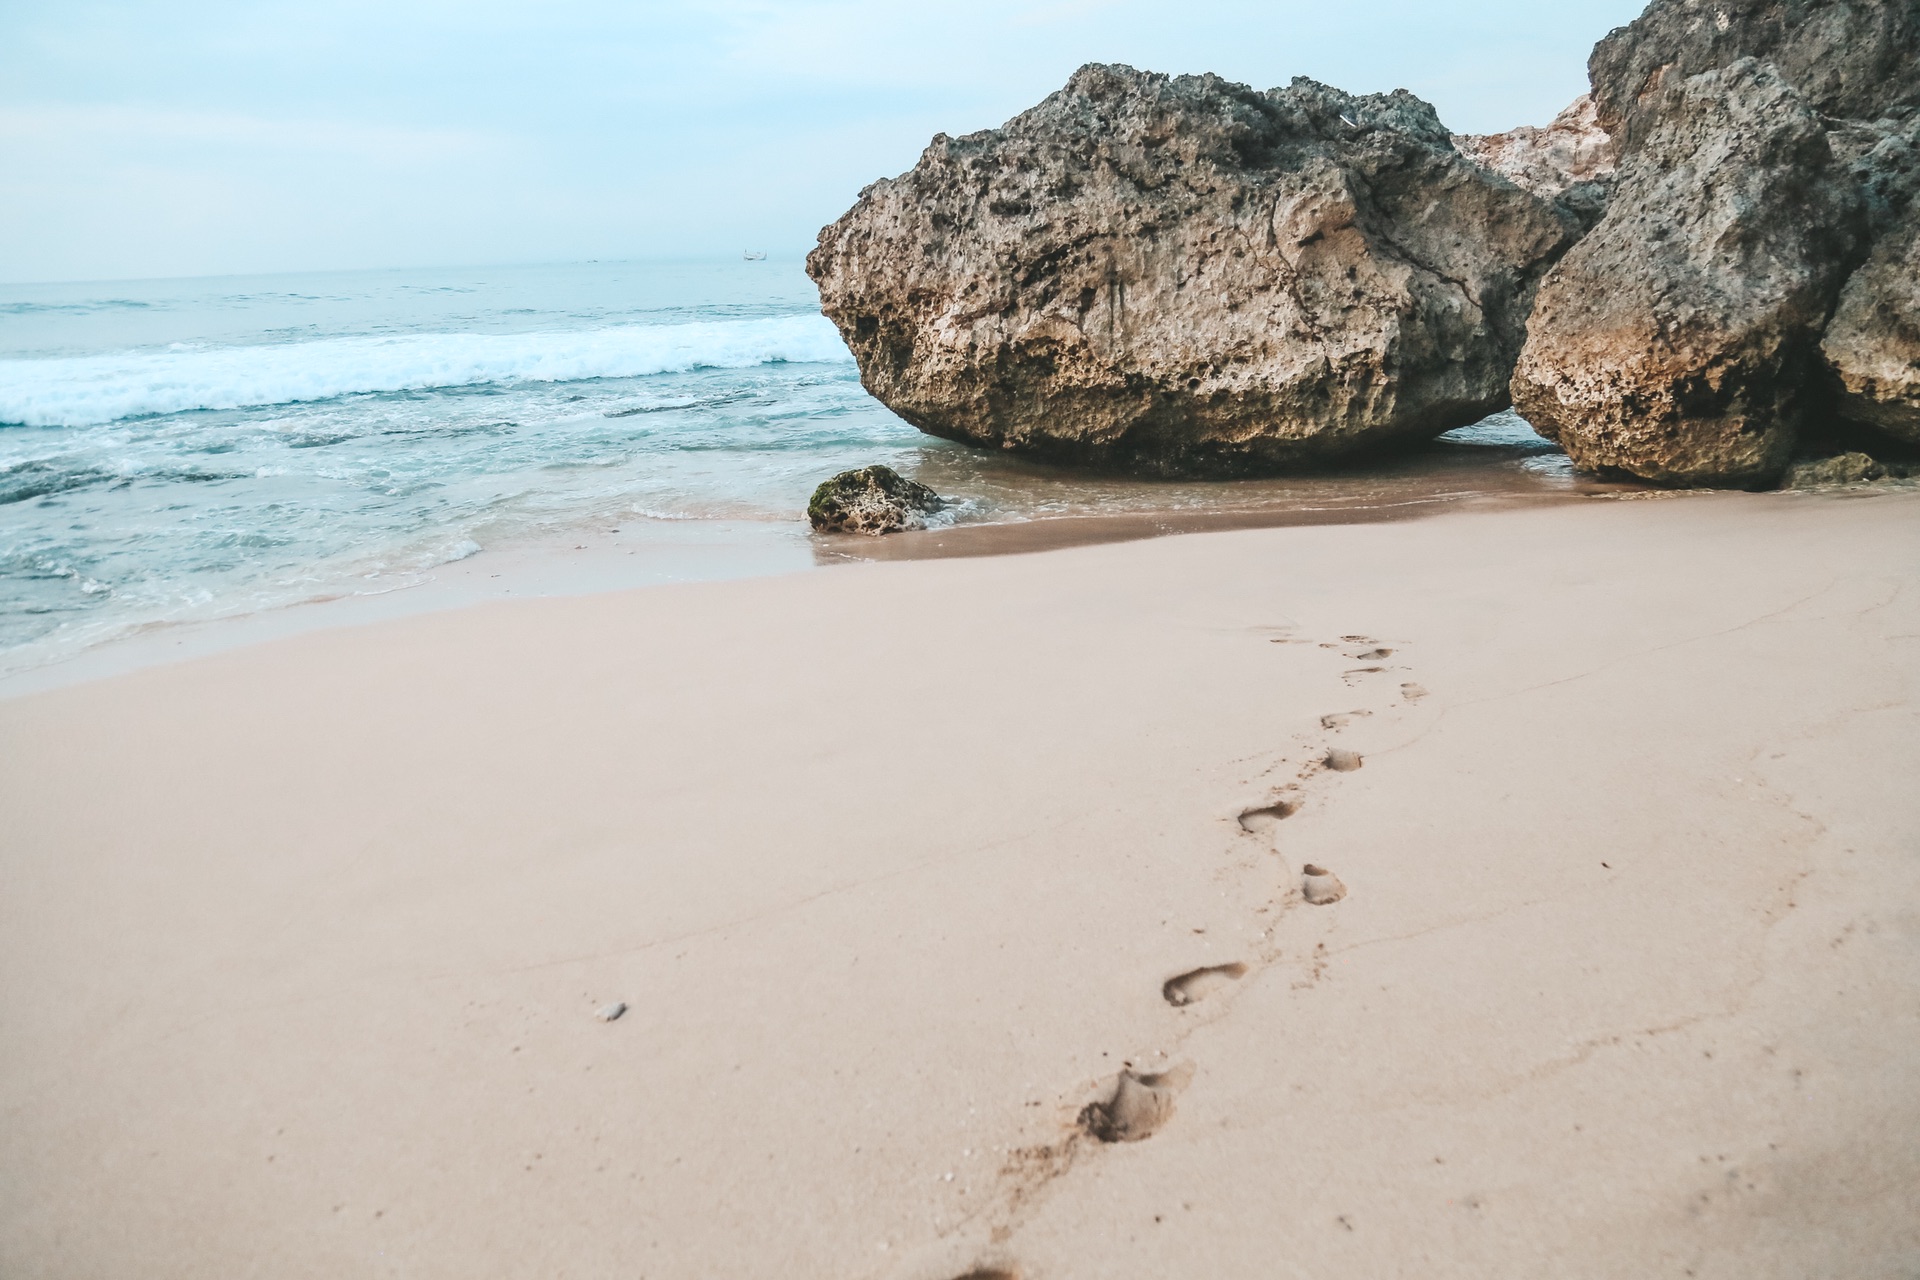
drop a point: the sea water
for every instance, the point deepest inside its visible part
(186, 450)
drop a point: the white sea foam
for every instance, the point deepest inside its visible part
(89, 390)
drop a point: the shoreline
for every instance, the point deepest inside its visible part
(643, 552)
(997, 502)
(893, 868)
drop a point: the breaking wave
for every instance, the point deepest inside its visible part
(91, 390)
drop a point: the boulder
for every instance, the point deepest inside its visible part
(1858, 59)
(1570, 162)
(871, 500)
(1883, 158)
(1873, 344)
(1186, 276)
(1872, 347)
(1676, 341)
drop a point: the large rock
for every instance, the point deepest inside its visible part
(1850, 58)
(1571, 161)
(1873, 344)
(1883, 158)
(1676, 341)
(1185, 275)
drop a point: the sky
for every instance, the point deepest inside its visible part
(205, 137)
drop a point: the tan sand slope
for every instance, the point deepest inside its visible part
(898, 866)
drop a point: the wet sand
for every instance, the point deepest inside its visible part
(1000, 504)
(896, 867)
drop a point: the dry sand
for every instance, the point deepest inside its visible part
(898, 865)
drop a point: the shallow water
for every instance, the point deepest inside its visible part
(179, 451)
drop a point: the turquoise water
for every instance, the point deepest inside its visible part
(184, 450)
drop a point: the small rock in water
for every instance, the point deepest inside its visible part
(608, 1012)
(1341, 760)
(871, 500)
(1841, 468)
(1320, 886)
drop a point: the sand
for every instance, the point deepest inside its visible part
(898, 866)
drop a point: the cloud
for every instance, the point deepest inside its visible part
(211, 135)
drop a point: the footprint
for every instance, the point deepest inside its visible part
(1259, 818)
(1341, 760)
(1366, 671)
(1358, 639)
(1341, 719)
(1373, 655)
(1320, 886)
(989, 1273)
(1140, 1105)
(1198, 984)
(1412, 692)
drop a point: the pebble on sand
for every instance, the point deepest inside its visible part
(608, 1012)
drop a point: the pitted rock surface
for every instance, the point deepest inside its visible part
(1571, 161)
(1676, 341)
(1873, 344)
(1858, 59)
(1184, 275)
(1883, 158)
(1844, 468)
(871, 500)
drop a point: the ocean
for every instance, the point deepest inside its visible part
(181, 451)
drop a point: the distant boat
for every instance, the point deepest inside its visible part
(755, 255)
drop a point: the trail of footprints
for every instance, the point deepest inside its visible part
(1136, 1103)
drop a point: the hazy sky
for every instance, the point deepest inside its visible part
(191, 137)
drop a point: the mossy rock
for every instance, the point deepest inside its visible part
(1844, 468)
(871, 500)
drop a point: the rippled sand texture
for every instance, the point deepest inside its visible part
(962, 915)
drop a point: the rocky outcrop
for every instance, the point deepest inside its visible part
(1883, 158)
(1853, 67)
(1857, 59)
(1570, 162)
(1676, 341)
(1873, 344)
(871, 500)
(1872, 347)
(1183, 275)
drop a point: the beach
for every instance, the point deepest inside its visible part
(308, 947)
(178, 456)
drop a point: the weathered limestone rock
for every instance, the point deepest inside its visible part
(871, 500)
(1883, 158)
(1675, 342)
(1856, 64)
(1872, 346)
(1858, 59)
(1183, 275)
(1570, 162)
